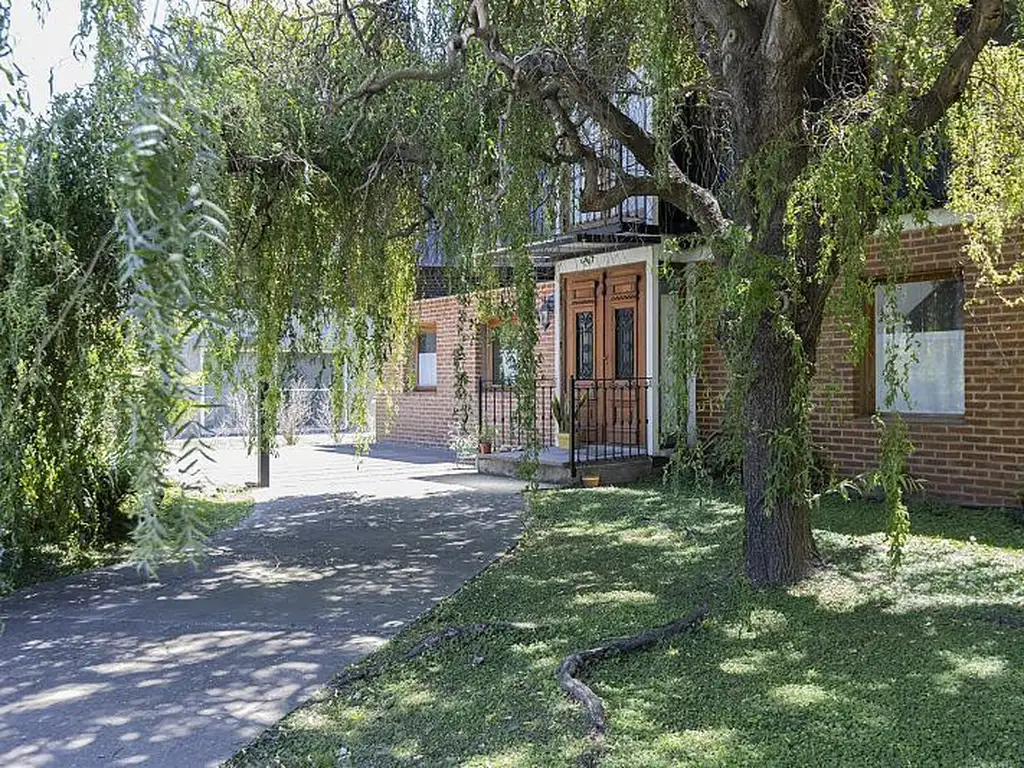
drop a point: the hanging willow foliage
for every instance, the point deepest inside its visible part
(344, 141)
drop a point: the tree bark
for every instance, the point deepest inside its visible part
(778, 547)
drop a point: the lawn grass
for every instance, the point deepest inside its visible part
(851, 667)
(214, 512)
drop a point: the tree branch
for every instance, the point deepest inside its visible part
(949, 85)
(542, 76)
(547, 65)
(378, 82)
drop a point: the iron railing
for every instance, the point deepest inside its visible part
(609, 419)
(499, 412)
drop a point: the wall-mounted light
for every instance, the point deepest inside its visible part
(546, 312)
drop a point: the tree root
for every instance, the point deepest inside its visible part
(573, 664)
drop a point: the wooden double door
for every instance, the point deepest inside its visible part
(604, 338)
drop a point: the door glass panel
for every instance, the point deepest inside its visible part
(584, 345)
(625, 350)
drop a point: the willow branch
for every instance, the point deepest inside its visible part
(541, 76)
(951, 82)
(379, 82)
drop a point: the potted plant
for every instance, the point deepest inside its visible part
(560, 412)
(487, 437)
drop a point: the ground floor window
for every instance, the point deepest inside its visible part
(919, 341)
(502, 357)
(426, 358)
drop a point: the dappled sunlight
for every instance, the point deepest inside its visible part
(702, 745)
(760, 622)
(801, 695)
(60, 694)
(408, 697)
(761, 661)
(935, 573)
(965, 668)
(265, 574)
(512, 756)
(183, 670)
(614, 596)
(822, 673)
(407, 751)
(219, 679)
(836, 591)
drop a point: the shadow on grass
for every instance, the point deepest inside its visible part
(995, 527)
(851, 667)
(785, 681)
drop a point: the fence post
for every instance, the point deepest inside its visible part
(262, 438)
(572, 426)
(479, 405)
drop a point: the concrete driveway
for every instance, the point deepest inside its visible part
(104, 669)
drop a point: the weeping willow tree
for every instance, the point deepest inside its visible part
(788, 132)
(292, 161)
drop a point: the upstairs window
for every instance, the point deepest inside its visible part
(426, 358)
(919, 337)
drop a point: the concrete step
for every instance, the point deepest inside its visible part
(557, 472)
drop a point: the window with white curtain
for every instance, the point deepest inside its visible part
(919, 339)
(426, 359)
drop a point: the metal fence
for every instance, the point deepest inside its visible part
(609, 418)
(304, 410)
(499, 414)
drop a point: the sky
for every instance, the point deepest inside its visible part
(42, 48)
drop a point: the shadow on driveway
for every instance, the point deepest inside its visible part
(107, 669)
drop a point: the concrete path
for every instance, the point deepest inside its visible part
(105, 670)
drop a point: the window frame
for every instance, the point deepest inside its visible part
(424, 329)
(865, 374)
(620, 338)
(492, 348)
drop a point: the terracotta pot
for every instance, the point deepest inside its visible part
(485, 447)
(591, 481)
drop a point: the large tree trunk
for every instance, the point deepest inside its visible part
(778, 547)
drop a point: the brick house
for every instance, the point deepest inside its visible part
(423, 409)
(966, 412)
(605, 317)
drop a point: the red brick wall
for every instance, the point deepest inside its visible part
(976, 458)
(426, 417)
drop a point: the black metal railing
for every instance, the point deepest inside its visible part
(500, 418)
(609, 419)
